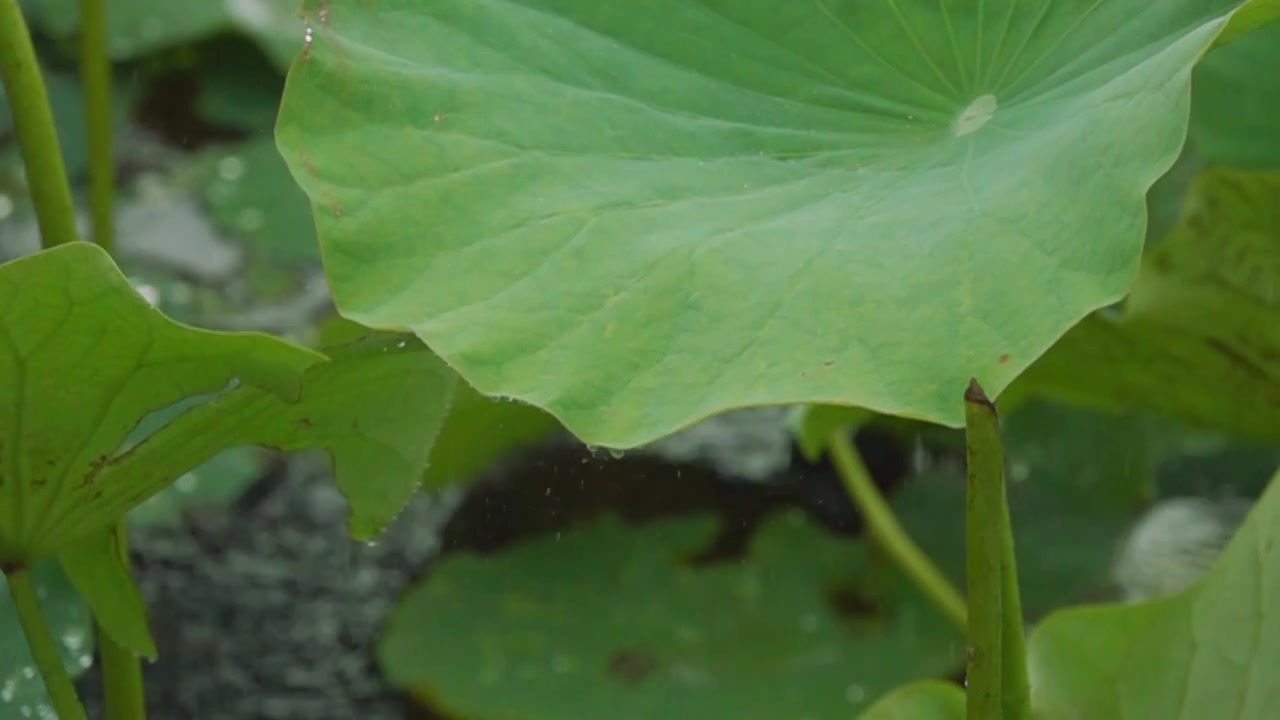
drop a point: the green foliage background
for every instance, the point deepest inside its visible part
(629, 217)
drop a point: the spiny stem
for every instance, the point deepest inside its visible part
(998, 687)
(43, 648)
(33, 124)
(888, 533)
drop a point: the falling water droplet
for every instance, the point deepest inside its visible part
(615, 454)
(6, 206)
(28, 672)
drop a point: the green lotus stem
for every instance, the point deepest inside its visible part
(998, 687)
(122, 686)
(95, 78)
(123, 692)
(889, 535)
(43, 648)
(33, 125)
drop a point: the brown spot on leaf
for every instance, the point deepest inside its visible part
(95, 467)
(307, 164)
(1004, 358)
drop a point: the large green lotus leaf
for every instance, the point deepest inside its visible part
(83, 358)
(1211, 652)
(610, 621)
(136, 28)
(1199, 337)
(638, 214)
(22, 691)
(1237, 100)
(925, 700)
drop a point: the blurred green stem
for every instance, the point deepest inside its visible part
(43, 648)
(95, 77)
(121, 669)
(888, 533)
(34, 127)
(997, 683)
